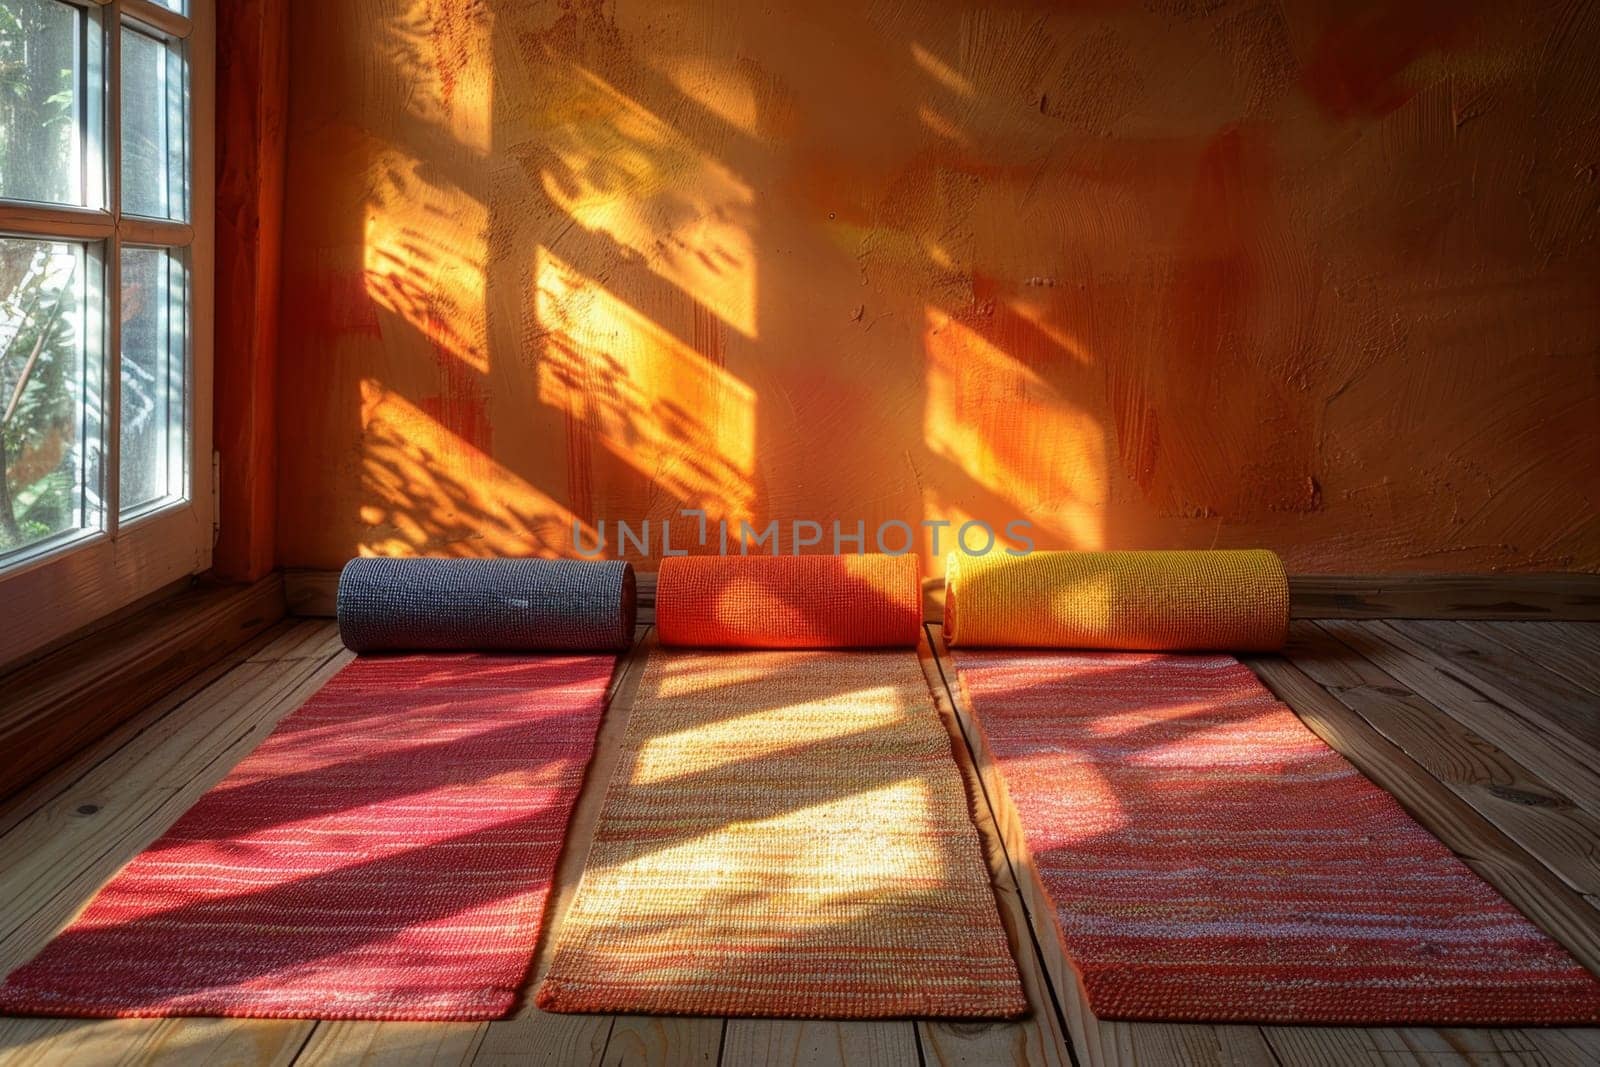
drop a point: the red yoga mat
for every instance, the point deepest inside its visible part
(1210, 859)
(385, 853)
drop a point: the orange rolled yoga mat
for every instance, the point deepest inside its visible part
(861, 601)
(1236, 600)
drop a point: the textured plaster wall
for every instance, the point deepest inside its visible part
(1320, 276)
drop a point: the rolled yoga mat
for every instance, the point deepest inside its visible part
(1209, 858)
(786, 833)
(387, 851)
(1234, 600)
(437, 605)
(859, 601)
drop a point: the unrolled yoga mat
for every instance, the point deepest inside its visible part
(385, 853)
(786, 834)
(1209, 858)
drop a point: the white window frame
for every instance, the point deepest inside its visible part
(67, 582)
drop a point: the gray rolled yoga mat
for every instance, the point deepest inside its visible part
(394, 605)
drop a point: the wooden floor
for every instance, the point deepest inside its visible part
(1488, 732)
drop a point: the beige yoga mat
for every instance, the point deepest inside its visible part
(786, 834)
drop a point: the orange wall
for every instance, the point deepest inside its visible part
(1312, 275)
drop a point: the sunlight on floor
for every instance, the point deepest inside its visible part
(685, 752)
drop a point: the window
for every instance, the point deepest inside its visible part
(105, 259)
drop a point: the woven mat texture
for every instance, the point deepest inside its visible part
(482, 605)
(789, 601)
(1234, 600)
(786, 834)
(385, 853)
(1211, 859)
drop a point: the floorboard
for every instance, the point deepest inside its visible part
(1571, 651)
(72, 844)
(61, 776)
(1529, 810)
(1040, 1038)
(70, 698)
(1416, 668)
(1482, 729)
(1514, 681)
(811, 1043)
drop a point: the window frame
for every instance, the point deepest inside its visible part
(68, 581)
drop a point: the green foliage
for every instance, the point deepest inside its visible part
(41, 373)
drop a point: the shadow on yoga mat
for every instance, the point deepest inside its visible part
(387, 851)
(786, 832)
(1209, 858)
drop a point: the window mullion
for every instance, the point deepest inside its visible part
(89, 169)
(142, 231)
(50, 220)
(111, 422)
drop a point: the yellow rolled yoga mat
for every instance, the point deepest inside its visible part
(1233, 600)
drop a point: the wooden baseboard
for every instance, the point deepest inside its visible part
(309, 593)
(1567, 597)
(61, 702)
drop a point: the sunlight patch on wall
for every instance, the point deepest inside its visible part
(427, 492)
(941, 125)
(941, 72)
(1036, 314)
(717, 86)
(936, 545)
(649, 399)
(1010, 431)
(443, 52)
(617, 168)
(423, 259)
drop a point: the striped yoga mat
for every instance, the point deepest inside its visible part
(384, 854)
(786, 832)
(1209, 858)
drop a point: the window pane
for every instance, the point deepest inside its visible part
(43, 394)
(152, 377)
(175, 5)
(154, 178)
(41, 119)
